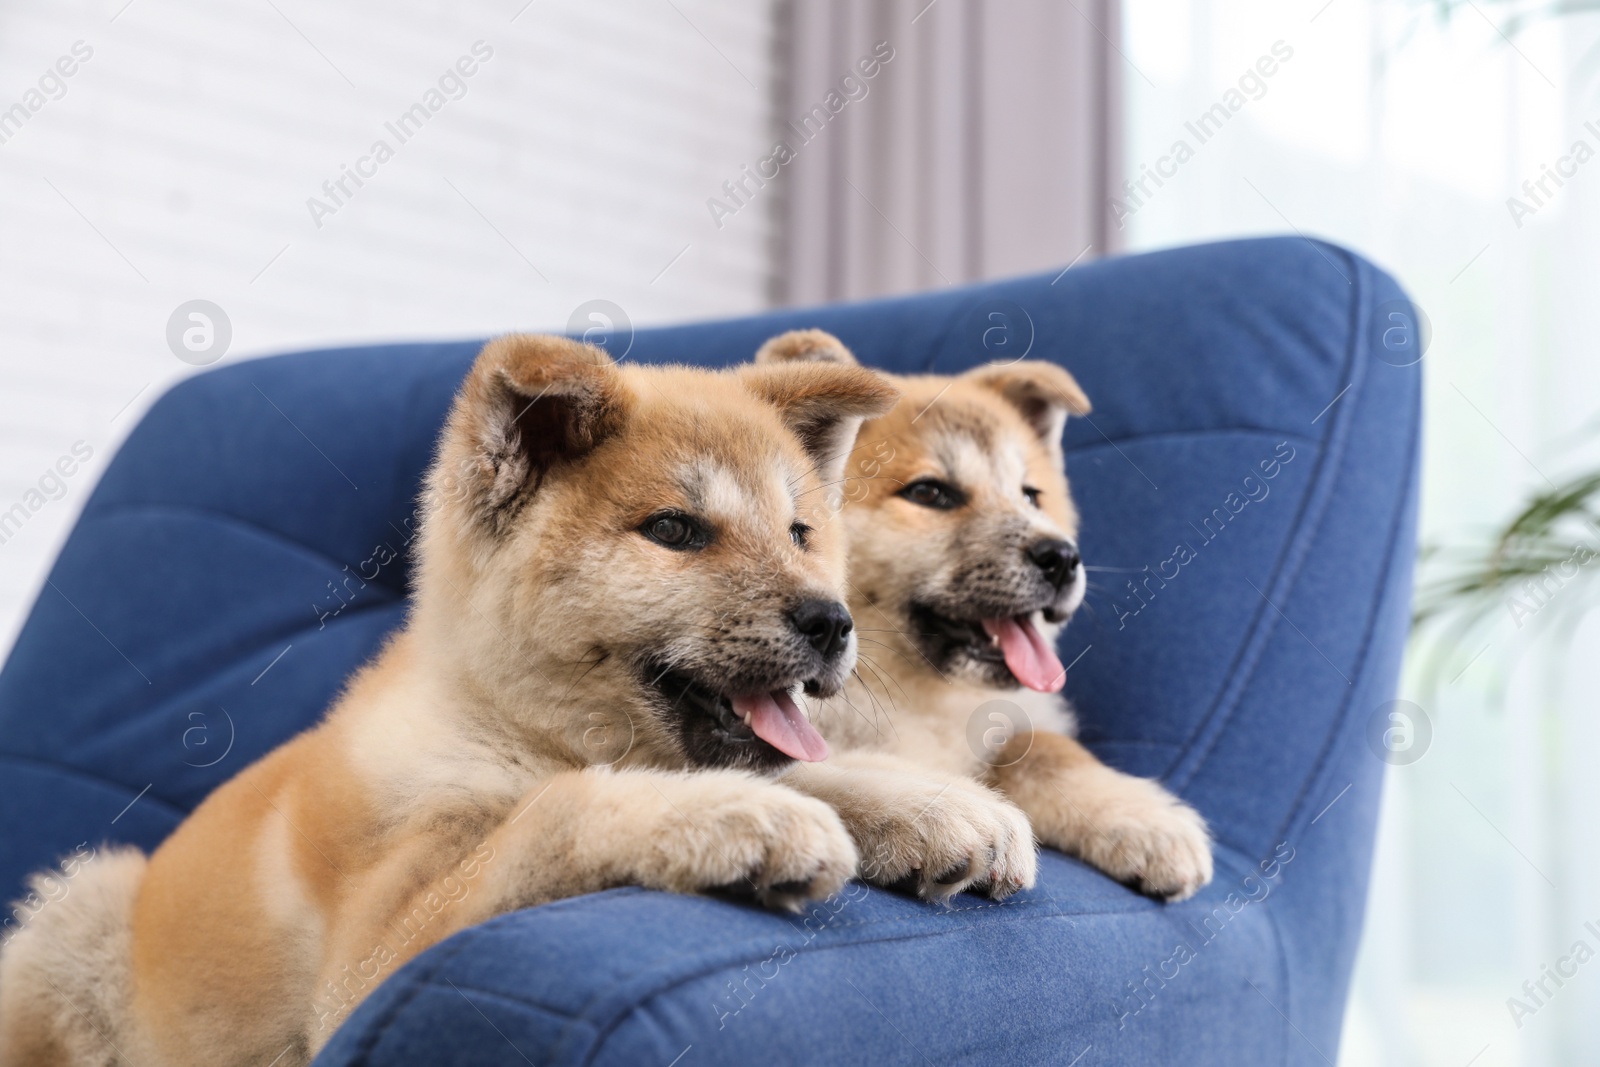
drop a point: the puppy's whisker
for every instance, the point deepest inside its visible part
(874, 663)
(1089, 605)
(876, 673)
(897, 652)
(931, 665)
(880, 673)
(886, 618)
(877, 705)
(852, 706)
(866, 687)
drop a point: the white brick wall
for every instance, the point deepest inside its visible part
(193, 136)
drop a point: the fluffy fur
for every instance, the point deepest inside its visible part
(64, 976)
(921, 772)
(513, 743)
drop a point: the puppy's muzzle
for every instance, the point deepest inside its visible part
(826, 625)
(1058, 560)
(1062, 568)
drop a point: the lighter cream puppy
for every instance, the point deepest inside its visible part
(626, 577)
(963, 567)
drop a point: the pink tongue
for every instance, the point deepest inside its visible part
(779, 722)
(1030, 658)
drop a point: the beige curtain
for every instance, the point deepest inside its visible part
(924, 144)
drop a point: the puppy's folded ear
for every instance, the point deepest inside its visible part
(1042, 392)
(529, 403)
(805, 346)
(823, 404)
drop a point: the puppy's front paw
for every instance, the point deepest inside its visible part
(1131, 828)
(940, 838)
(750, 838)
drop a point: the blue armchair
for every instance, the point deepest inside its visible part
(1248, 483)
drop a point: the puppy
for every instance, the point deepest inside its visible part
(964, 566)
(626, 576)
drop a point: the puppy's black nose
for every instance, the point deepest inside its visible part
(1057, 559)
(825, 623)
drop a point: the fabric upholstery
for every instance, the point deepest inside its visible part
(233, 567)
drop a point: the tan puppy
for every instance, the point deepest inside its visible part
(963, 566)
(626, 577)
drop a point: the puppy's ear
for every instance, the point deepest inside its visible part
(529, 403)
(823, 404)
(805, 346)
(1042, 392)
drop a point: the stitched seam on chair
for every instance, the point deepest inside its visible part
(1336, 729)
(567, 1019)
(381, 1025)
(644, 1002)
(1282, 954)
(1210, 431)
(77, 772)
(1385, 582)
(175, 691)
(603, 1034)
(225, 519)
(430, 976)
(181, 687)
(1048, 908)
(1319, 493)
(1292, 554)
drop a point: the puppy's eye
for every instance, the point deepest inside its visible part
(800, 534)
(1032, 494)
(932, 493)
(672, 530)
